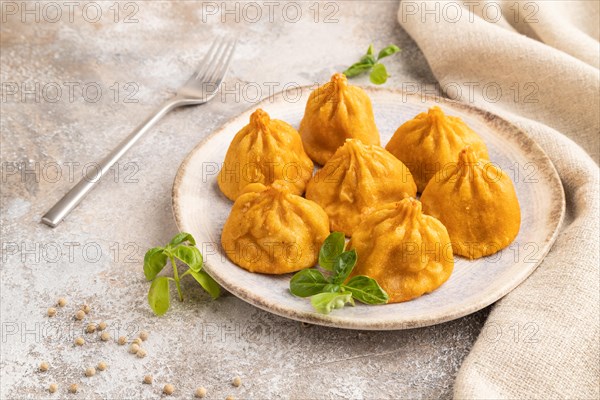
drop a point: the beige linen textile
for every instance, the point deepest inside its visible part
(535, 63)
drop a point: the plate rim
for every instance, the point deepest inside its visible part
(336, 321)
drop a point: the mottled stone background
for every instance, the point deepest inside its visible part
(95, 255)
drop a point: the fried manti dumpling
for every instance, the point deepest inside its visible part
(477, 203)
(407, 252)
(357, 178)
(270, 230)
(335, 112)
(261, 152)
(430, 142)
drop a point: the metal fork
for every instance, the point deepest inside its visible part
(200, 88)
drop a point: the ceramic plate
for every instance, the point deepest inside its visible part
(201, 209)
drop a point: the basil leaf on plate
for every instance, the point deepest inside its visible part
(331, 248)
(326, 302)
(308, 282)
(366, 290)
(344, 265)
(331, 287)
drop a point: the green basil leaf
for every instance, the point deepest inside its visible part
(158, 296)
(367, 60)
(182, 237)
(331, 288)
(154, 261)
(388, 51)
(357, 69)
(379, 74)
(366, 290)
(207, 283)
(331, 248)
(370, 50)
(325, 302)
(190, 255)
(308, 282)
(345, 263)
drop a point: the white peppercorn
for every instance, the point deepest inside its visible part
(168, 389)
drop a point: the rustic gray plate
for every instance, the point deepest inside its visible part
(201, 209)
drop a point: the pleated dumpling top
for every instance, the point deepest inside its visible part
(335, 112)
(355, 180)
(270, 230)
(431, 141)
(264, 151)
(477, 203)
(407, 252)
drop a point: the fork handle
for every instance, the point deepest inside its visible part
(74, 196)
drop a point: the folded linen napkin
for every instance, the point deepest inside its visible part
(536, 64)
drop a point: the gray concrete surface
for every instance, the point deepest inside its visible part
(95, 255)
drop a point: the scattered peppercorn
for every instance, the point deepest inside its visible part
(105, 337)
(141, 353)
(148, 379)
(101, 366)
(122, 340)
(134, 348)
(79, 315)
(102, 326)
(51, 312)
(229, 398)
(200, 392)
(62, 302)
(79, 341)
(86, 309)
(168, 389)
(91, 371)
(73, 388)
(91, 328)
(144, 335)
(236, 381)
(137, 341)
(53, 388)
(44, 366)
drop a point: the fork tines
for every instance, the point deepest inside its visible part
(214, 65)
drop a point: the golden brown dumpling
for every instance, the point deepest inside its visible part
(357, 178)
(273, 231)
(407, 252)
(430, 142)
(261, 152)
(335, 112)
(477, 203)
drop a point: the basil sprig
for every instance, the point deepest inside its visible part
(329, 292)
(183, 248)
(369, 62)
